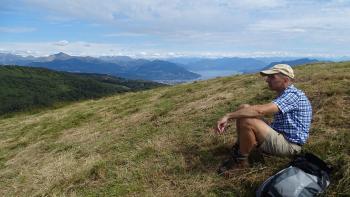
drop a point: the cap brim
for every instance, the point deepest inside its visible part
(268, 72)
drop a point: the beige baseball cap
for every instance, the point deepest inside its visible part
(279, 68)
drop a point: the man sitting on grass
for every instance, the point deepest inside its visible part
(288, 131)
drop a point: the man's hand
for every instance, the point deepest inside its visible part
(221, 125)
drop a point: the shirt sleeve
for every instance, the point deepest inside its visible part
(286, 102)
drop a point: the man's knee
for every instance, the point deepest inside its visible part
(257, 126)
(247, 121)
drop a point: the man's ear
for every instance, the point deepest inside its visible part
(286, 79)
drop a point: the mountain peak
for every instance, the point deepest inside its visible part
(59, 56)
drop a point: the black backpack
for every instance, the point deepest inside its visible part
(307, 175)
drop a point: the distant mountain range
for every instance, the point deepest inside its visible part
(182, 68)
(293, 62)
(243, 65)
(126, 68)
(238, 64)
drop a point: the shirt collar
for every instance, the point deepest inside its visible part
(291, 86)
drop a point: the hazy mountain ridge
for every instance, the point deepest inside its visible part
(8, 58)
(81, 65)
(133, 69)
(293, 62)
(153, 69)
(242, 65)
(237, 64)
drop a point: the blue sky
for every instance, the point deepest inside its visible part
(159, 28)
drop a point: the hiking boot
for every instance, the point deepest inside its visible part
(235, 150)
(236, 161)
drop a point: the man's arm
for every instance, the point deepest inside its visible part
(254, 111)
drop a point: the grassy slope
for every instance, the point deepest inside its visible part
(160, 142)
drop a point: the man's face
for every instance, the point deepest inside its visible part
(275, 82)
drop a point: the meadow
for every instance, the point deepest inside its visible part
(161, 142)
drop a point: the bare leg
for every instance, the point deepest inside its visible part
(252, 131)
(238, 124)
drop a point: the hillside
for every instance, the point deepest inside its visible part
(160, 142)
(24, 88)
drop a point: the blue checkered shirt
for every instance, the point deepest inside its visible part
(294, 117)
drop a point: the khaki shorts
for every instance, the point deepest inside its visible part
(276, 144)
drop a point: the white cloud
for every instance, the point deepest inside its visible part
(125, 35)
(61, 43)
(78, 48)
(101, 49)
(294, 30)
(166, 18)
(201, 26)
(258, 4)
